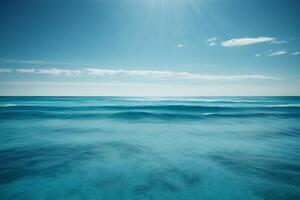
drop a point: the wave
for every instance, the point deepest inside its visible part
(194, 101)
(89, 108)
(139, 115)
(171, 108)
(172, 116)
(285, 106)
(8, 105)
(149, 115)
(135, 107)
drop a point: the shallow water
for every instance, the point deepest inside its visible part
(150, 148)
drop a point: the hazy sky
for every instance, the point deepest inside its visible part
(150, 47)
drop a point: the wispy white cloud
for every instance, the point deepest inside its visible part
(2, 70)
(236, 42)
(32, 62)
(26, 70)
(151, 74)
(39, 62)
(210, 40)
(296, 53)
(278, 53)
(182, 45)
(257, 55)
(54, 71)
(19, 61)
(278, 42)
(171, 75)
(51, 71)
(138, 73)
(102, 72)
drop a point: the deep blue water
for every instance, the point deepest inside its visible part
(233, 148)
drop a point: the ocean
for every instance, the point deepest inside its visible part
(127, 148)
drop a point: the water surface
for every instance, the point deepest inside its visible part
(150, 148)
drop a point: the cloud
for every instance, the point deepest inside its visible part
(278, 41)
(55, 71)
(26, 70)
(257, 55)
(236, 42)
(151, 74)
(210, 40)
(25, 61)
(137, 73)
(171, 75)
(102, 72)
(182, 45)
(296, 53)
(2, 70)
(51, 71)
(278, 53)
(38, 62)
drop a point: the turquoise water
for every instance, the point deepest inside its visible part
(150, 148)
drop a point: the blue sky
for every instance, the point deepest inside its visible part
(150, 47)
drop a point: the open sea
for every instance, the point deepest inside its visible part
(136, 148)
